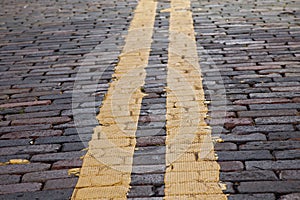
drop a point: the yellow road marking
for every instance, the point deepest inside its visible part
(192, 171)
(107, 166)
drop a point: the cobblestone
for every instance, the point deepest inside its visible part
(272, 145)
(32, 134)
(142, 191)
(252, 196)
(244, 155)
(33, 149)
(273, 165)
(269, 186)
(284, 135)
(270, 113)
(42, 176)
(65, 164)
(294, 196)
(250, 52)
(244, 138)
(261, 175)
(290, 175)
(50, 120)
(25, 168)
(56, 156)
(20, 187)
(228, 166)
(45, 194)
(9, 179)
(16, 142)
(60, 183)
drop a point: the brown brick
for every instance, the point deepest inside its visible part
(230, 166)
(22, 104)
(296, 99)
(19, 100)
(150, 141)
(232, 122)
(50, 120)
(66, 164)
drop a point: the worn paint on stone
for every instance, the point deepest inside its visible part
(107, 166)
(192, 171)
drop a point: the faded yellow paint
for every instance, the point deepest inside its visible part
(107, 166)
(15, 162)
(192, 171)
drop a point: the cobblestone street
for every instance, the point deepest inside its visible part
(150, 99)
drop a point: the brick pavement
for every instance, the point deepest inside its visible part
(251, 52)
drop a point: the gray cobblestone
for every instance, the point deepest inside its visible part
(295, 196)
(46, 195)
(272, 165)
(253, 47)
(269, 186)
(251, 197)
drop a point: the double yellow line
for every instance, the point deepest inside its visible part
(192, 171)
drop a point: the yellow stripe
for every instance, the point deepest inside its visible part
(107, 166)
(192, 171)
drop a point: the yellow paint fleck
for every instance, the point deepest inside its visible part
(15, 162)
(18, 161)
(223, 186)
(74, 171)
